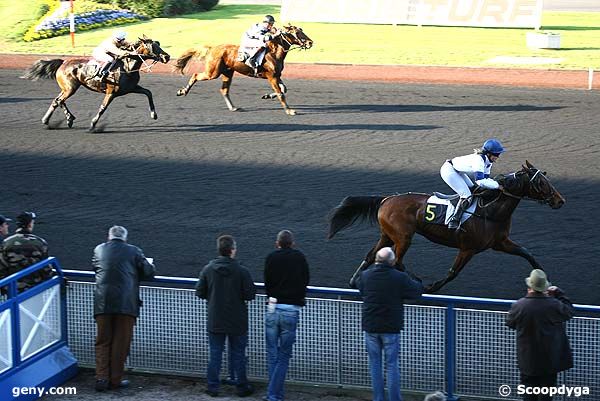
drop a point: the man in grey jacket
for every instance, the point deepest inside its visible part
(119, 269)
(226, 285)
(543, 347)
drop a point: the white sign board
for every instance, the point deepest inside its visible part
(480, 13)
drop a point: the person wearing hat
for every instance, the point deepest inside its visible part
(109, 50)
(253, 45)
(4, 226)
(24, 249)
(543, 347)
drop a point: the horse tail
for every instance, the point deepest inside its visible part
(351, 209)
(43, 69)
(187, 56)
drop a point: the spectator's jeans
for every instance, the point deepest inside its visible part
(238, 345)
(280, 336)
(538, 381)
(387, 344)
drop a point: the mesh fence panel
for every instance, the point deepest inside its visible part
(39, 318)
(5, 341)
(170, 337)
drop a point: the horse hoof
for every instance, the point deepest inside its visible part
(234, 109)
(181, 92)
(266, 96)
(153, 115)
(70, 123)
(45, 121)
(291, 112)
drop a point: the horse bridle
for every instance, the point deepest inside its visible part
(535, 186)
(302, 44)
(146, 67)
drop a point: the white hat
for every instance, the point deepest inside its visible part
(119, 35)
(537, 280)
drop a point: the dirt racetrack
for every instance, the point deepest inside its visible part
(200, 171)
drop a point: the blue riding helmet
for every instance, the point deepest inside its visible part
(493, 146)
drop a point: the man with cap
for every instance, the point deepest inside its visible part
(543, 347)
(4, 226)
(110, 50)
(24, 249)
(252, 47)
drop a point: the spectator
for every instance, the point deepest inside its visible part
(119, 269)
(384, 289)
(437, 396)
(543, 347)
(4, 226)
(226, 285)
(286, 278)
(24, 249)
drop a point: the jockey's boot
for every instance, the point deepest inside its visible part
(462, 205)
(250, 62)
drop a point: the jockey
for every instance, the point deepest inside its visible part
(464, 172)
(108, 51)
(254, 40)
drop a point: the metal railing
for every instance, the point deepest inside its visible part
(463, 350)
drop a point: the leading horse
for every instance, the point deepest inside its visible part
(73, 73)
(401, 216)
(223, 60)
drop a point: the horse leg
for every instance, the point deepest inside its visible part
(107, 100)
(144, 91)
(227, 77)
(508, 246)
(195, 78)
(280, 95)
(384, 241)
(67, 94)
(273, 95)
(460, 261)
(55, 103)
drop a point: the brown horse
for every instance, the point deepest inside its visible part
(401, 216)
(72, 74)
(222, 60)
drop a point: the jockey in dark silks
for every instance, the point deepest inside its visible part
(253, 42)
(464, 172)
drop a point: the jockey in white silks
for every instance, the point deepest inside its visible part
(107, 51)
(463, 172)
(252, 46)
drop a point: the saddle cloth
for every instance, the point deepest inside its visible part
(439, 211)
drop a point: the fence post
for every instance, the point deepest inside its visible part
(451, 352)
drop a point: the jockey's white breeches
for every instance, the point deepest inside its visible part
(251, 46)
(100, 55)
(458, 181)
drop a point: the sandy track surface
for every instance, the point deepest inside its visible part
(200, 171)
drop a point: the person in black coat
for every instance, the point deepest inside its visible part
(226, 285)
(119, 269)
(383, 289)
(543, 347)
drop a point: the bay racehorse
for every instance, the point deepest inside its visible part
(223, 61)
(73, 73)
(401, 216)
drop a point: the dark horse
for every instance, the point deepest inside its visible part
(401, 216)
(71, 74)
(222, 60)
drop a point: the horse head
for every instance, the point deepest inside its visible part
(294, 35)
(532, 183)
(150, 49)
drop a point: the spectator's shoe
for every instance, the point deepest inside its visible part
(212, 393)
(230, 381)
(122, 384)
(245, 390)
(101, 385)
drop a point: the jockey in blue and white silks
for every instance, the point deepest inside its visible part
(254, 40)
(463, 172)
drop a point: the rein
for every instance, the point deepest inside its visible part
(291, 45)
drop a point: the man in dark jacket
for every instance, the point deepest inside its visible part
(119, 269)
(226, 285)
(383, 290)
(286, 278)
(4, 226)
(543, 347)
(22, 250)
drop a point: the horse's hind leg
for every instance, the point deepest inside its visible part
(144, 91)
(384, 241)
(460, 261)
(227, 77)
(55, 103)
(193, 79)
(107, 100)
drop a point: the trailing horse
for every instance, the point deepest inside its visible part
(73, 73)
(401, 216)
(223, 60)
